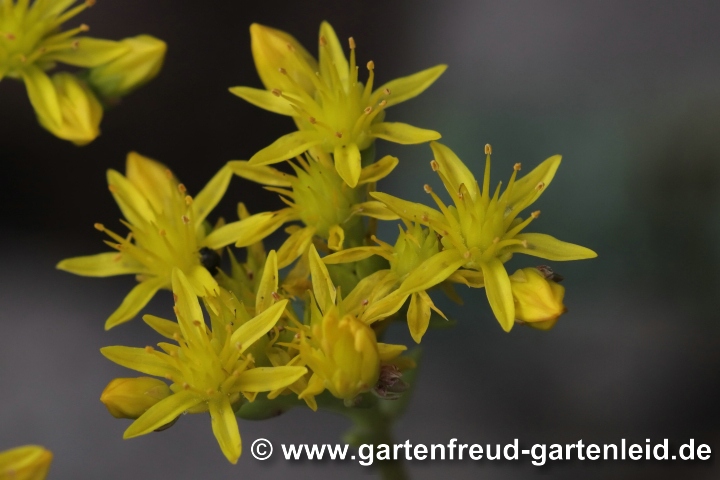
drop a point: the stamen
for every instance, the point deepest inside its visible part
(168, 174)
(434, 165)
(99, 226)
(282, 71)
(162, 232)
(351, 41)
(275, 296)
(323, 41)
(368, 110)
(386, 91)
(338, 134)
(290, 47)
(427, 188)
(488, 149)
(517, 167)
(276, 92)
(185, 219)
(188, 200)
(112, 188)
(371, 65)
(535, 214)
(182, 188)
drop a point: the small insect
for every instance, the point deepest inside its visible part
(210, 259)
(549, 274)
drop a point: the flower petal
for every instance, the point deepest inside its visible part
(323, 287)
(150, 178)
(525, 190)
(89, 52)
(550, 248)
(260, 174)
(332, 56)
(418, 315)
(296, 245)
(138, 297)
(43, 96)
(253, 329)
(268, 284)
(348, 163)
(225, 427)
(264, 99)
(166, 328)
(264, 379)
(286, 147)
(210, 195)
(405, 88)
(432, 271)
(402, 133)
(149, 362)
(133, 204)
(189, 312)
(388, 351)
(415, 212)
(162, 413)
(243, 232)
(499, 292)
(454, 170)
(378, 170)
(354, 254)
(99, 265)
(374, 209)
(336, 238)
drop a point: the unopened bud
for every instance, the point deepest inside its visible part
(538, 300)
(131, 397)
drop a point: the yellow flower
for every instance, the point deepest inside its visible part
(29, 462)
(209, 370)
(331, 107)
(167, 231)
(412, 272)
(341, 350)
(319, 198)
(538, 300)
(32, 42)
(483, 230)
(131, 397)
(138, 65)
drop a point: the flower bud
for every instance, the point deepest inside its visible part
(138, 65)
(65, 106)
(29, 462)
(131, 397)
(538, 301)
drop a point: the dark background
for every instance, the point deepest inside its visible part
(628, 92)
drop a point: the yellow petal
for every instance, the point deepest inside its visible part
(354, 254)
(99, 265)
(389, 305)
(550, 248)
(332, 56)
(268, 284)
(243, 232)
(374, 209)
(388, 351)
(190, 316)
(471, 278)
(29, 462)
(418, 316)
(296, 245)
(499, 293)
(284, 148)
(153, 363)
(166, 328)
(405, 88)
(525, 190)
(264, 379)
(454, 170)
(225, 427)
(323, 287)
(415, 212)
(260, 174)
(402, 133)
(336, 238)
(264, 99)
(43, 96)
(150, 177)
(162, 413)
(133, 204)
(432, 271)
(378, 170)
(210, 195)
(90, 52)
(138, 297)
(252, 330)
(348, 163)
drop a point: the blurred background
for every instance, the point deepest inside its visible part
(627, 92)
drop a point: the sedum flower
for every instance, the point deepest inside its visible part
(330, 105)
(140, 63)
(482, 230)
(320, 199)
(167, 231)
(30, 462)
(210, 370)
(131, 397)
(33, 42)
(538, 299)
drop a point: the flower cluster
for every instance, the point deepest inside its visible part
(70, 105)
(303, 324)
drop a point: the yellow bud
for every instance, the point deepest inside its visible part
(66, 107)
(29, 462)
(131, 397)
(140, 63)
(538, 301)
(274, 50)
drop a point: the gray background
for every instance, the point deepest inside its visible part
(627, 92)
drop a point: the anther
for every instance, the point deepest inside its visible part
(290, 47)
(162, 232)
(434, 165)
(525, 243)
(517, 166)
(365, 302)
(76, 44)
(467, 254)
(351, 41)
(383, 103)
(149, 349)
(89, 3)
(386, 91)
(540, 186)
(84, 27)
(338, 134)
(275, 296)
(175, 298)
(371, 65)
(424, 217)
(282, 70)
(10, 36)
(488, 149)
(368, 110)
(197, 323)
(209, 391)
(186, 386)
(276, 92)
(168, 174)
(535, 214)
(188, 200)
(496, 239)
(427, 188)
(312, 120)
(323, 41)
(112, 188)
(182, 188)
(99, 226)
(185, 219)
